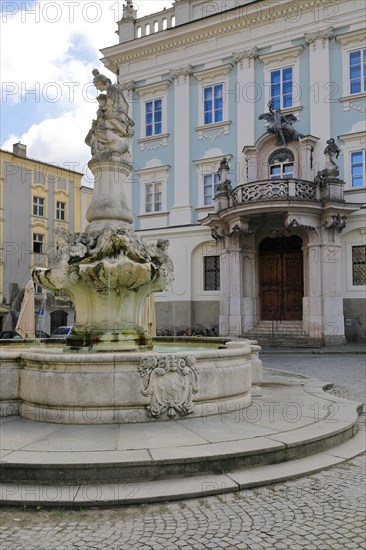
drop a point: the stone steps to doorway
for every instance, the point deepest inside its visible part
(292, 429)
(280, 333)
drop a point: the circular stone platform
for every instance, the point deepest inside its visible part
(50, 464)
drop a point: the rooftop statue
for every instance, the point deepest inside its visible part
(281, 125)
(110, 134)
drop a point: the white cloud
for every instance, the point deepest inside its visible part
(51, 50)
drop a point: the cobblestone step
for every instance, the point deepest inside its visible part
(127, 493)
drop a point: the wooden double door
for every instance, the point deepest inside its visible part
(281, 278)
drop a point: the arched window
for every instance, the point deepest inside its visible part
(281, 164)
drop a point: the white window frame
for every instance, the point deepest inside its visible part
(205, 167)
(158, 90)
(37, 206)
(350, 42)
(363, 153)
(352, 143)
(152, 175)
(153, 117)
(211, 77)
(213, 176)
(363, 75)
(58, 211)
(282, 165)
(154, 192)
(283, 59)
(281, 96)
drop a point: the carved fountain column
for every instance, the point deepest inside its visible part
(108, 271)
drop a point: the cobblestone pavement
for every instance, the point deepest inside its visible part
(323, 511)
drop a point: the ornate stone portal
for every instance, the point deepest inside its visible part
(108, 271)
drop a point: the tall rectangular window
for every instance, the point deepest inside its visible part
(213, 103)
(60, 210)
(359, 265)
(153, 197)
(38, 243)
(357, 71)
(281, 88)
(38, 206)
(211, 272)
(154, 117)
(358, 168)
(211, 184)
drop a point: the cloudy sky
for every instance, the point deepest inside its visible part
(48, 50)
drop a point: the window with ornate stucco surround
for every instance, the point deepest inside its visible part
(206, 166)
(281, 59)
(351, 41)
(158, 90)
(258, 157)
(153, 175)
(210, 77)
(352, 143)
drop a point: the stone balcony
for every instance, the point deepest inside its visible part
(290, 189)
(291, 202)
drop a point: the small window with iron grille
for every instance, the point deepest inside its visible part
(211, 272)
(359, 265)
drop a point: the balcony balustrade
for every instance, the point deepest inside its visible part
(281, 189)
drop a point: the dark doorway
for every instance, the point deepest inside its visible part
(58, 319)
(281, 278)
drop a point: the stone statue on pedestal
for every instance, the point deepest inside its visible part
(110, 134)
(331, 169)
(281, 125)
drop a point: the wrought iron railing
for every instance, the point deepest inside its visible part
(275, 189)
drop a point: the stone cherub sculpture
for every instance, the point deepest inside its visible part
(331, 170)
(281, 125)
(110, 134)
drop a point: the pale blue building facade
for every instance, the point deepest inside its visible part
(197, 78)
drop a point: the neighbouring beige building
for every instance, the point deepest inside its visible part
(36, 198)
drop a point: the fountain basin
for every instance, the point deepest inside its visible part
(48, 385)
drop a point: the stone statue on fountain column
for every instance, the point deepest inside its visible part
(110, 134)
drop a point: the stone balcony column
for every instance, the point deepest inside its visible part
(230, 295)
(332, 295)
(249, 300)
(181, 212)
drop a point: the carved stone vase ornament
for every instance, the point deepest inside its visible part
(170, 381)
(108, 270)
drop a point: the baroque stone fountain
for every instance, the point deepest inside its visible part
(108, 372)
(108, 270)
